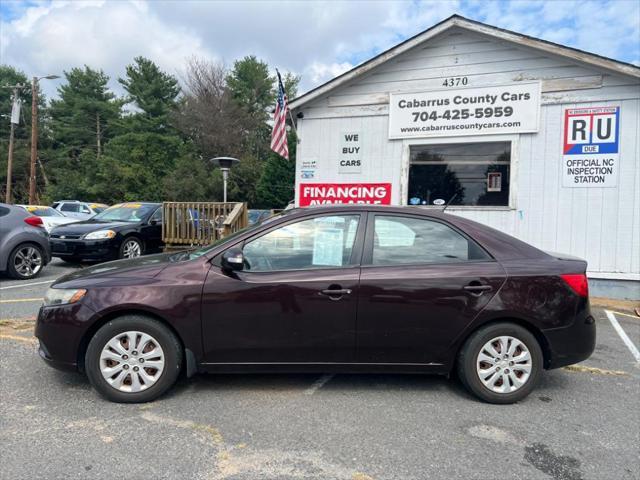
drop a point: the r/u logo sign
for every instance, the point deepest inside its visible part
(591, 130)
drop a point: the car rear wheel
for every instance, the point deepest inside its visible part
(500, 363)
(131, 248)
(25, 261)
(133, 359)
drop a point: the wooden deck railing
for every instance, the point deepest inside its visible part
(201, 223)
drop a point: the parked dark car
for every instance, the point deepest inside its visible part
(341, 289)
(126, 230)
(24, 244)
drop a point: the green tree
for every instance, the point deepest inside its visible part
(152, 91)
(83, 119)
(252, 86)
(276, 185)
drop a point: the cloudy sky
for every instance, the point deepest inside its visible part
(315, 39)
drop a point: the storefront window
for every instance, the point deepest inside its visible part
(477, 172)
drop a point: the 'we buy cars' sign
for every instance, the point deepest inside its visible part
(339, 193)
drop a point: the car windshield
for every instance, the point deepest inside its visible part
(43, 211)
(125, 212)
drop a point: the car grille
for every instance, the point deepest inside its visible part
(65, 236)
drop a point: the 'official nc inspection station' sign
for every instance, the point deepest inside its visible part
(591, 147)
(466, 111)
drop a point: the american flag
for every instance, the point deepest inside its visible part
(279, 133)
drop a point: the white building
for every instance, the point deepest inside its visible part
(539, 140)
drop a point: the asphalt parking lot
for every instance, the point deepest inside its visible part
(582, 422)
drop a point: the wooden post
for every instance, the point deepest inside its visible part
(34, 140)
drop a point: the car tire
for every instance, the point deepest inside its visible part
(483, 368)
(25, 261)
(121, 373)
(130, 244)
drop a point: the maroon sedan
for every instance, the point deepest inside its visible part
(330, 289)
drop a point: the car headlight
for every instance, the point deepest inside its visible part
(63, 296)
(100, 235)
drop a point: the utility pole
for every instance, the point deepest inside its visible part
(34, 140)
(34, 135)
(15, 118)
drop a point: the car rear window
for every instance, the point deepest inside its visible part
(70, 207)
(43, 211)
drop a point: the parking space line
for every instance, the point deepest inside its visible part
(623, 335)
(625, 314)
(318, 384)
(17, 300)
(26, 284)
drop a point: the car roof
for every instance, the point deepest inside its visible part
(501, 245)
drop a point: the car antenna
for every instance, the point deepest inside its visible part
(449, 202)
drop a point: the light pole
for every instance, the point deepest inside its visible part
(34, 135)
(225, 164)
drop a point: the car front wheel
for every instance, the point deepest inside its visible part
(500, 363)
(133, 359)
(131, 248)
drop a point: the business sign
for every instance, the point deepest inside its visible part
(591, 145)
(308, 169)
(339, 193)
(350, 154)
(466, 111)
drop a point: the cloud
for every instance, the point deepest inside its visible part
(316, 39)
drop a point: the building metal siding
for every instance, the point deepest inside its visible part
(601, 225)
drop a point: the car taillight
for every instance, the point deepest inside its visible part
(34, 221)
(578, 283)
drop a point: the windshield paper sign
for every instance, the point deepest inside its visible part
(465, 111)
(339, 193)
(590, 152)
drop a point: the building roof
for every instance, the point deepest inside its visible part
(459, 21)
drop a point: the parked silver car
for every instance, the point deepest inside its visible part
(77, 209)
(24, 243)
(49, 215)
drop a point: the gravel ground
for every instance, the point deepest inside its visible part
(580, 423)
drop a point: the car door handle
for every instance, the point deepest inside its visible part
(477, 289)
(335, 292)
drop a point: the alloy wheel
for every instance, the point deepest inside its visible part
(132, 361)
(504, 364)
(131, 249)
(27, 261)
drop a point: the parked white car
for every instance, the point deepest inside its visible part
(50, 216)
(77, 209)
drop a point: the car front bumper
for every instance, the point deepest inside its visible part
(60, 331)
(85, 249)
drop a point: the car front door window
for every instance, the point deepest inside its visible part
(321, 242)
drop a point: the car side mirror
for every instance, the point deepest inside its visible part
(233, 259)
(153, 222)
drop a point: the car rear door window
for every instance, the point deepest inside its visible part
(409, 241)
(321, 242)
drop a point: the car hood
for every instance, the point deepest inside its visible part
(86, 226)
(147, 267)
